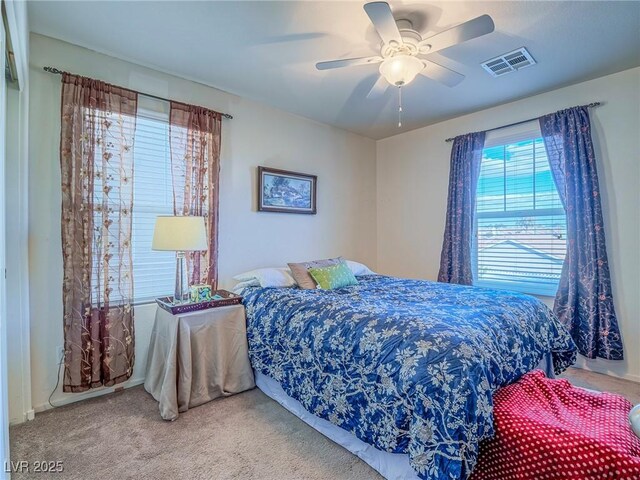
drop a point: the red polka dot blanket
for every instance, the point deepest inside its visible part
(548, 429)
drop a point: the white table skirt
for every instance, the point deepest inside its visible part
(196, 357)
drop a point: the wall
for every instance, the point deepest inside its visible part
(258, 135)
(390, 216)
(413, 168)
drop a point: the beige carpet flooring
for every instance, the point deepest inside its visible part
(604, 383)
(247, 436)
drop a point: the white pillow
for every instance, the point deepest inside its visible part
(239, 287)
(267, 277)
(359, 268)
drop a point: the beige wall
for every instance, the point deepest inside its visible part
(258, 135)
(413, 170)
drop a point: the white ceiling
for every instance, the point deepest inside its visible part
(266, 51)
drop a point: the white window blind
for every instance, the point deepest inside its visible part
(520, 222)
(153, 271)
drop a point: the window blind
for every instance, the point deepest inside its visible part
(520, 222)
(154, 271)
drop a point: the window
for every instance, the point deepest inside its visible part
(153, 271)
(520, 222)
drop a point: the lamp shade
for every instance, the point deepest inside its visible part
(401, 70)
(181, 234)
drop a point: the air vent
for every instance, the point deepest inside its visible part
(509, 62)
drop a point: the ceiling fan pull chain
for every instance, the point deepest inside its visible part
(399, 106)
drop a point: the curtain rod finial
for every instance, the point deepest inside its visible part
(53, 70)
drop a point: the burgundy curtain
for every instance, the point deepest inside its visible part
(195, 162)
(456, 263)
(96, 161)
(584, 302)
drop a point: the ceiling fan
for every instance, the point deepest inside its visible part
(403, 49)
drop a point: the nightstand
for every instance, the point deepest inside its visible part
(196, 357)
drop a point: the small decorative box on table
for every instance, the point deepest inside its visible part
(219, 298)
(200, 293)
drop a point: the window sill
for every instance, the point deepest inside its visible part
(542, 292)
(144, 301)
(141, 303)
(149, 301)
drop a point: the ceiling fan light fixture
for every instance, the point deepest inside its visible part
(401, 70)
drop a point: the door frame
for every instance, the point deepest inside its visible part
(4, 402)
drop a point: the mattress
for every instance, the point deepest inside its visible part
(407, 366)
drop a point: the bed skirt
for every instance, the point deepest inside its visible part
(390, 465)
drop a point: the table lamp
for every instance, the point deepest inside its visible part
(180, 235)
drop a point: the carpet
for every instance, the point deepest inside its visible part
(246, 436)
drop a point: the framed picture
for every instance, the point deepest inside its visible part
(286, 192)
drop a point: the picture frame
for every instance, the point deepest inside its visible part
(284, 191)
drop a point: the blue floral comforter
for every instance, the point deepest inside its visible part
(408, 366)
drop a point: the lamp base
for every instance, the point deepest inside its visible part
(180, 294)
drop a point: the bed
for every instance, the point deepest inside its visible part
(407, 367)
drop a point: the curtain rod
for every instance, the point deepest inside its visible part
(60, 72)
(591, 105)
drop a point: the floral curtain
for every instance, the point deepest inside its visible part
(96, 161)
(195, 161)
(456, 264)
(584, 302)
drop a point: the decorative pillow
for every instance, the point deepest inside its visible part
(268, 277)
(300, 271)
(359, 268)
(334, 276)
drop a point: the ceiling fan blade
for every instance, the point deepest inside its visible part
(441, 74)
(378, 88)
(461, 33)
(383, 21)
(348, 62)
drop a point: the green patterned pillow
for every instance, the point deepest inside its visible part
(333, 276)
